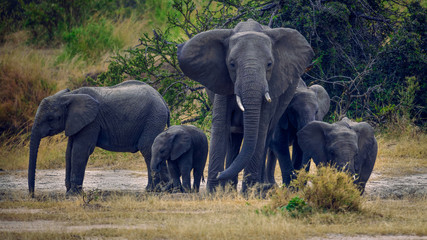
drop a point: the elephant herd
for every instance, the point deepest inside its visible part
(261, 106)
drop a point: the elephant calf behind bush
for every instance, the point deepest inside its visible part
(348, 145)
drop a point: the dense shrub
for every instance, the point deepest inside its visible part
(326, 190)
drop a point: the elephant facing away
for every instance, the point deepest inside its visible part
(308, 104)
(348, 145)
(185, 148)
(123, 118)
(256, 67)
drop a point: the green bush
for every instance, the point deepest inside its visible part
(91, 41)
(326, 190)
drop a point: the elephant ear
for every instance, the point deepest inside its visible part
(312, 140)
(181, 144)
(202, 58)
(292, 54)
(62, 92)
(367, 144)
(323, 100)
(82, 109)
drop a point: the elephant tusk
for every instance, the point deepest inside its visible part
(239, 102)
(267, 97)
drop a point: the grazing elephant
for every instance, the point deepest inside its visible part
(185, 148)
(348, 145)
(255, 67)
(123, 118)
(308, 104)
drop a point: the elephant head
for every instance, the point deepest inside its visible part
(307, 105)
(56, 113)
(348, 145)
(169, 145)
(253, 62)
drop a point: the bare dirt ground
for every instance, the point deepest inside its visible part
(135, 181)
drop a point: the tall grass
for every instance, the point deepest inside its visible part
(25, 80)
(91, 41)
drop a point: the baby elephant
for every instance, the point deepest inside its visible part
(184, 147)
(348, 145)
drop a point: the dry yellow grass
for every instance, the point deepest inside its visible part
(400, 155)
(199, 217)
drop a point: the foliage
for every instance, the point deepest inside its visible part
(353, 42)
(89, 42)
(326, 190)
(48, 20)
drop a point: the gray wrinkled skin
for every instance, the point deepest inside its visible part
(252, 64)
(184, 148)
(348, 145)
(308, 104)
(123, 118)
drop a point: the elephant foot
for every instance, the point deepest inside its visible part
(257, 189)
(74, 190)
(211, 186)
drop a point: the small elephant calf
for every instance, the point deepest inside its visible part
(346, 144)
(184, 147)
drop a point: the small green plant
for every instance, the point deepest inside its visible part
(296, 203)
(90, 196)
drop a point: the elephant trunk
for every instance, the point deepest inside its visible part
(155, 164)
(34, 148)
(252, 101)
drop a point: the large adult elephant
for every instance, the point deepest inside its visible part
(258, 68)
(308, 104)
(123, 118)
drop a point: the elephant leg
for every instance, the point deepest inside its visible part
(197, 175)
(271, 166)
(185, 164)
(233, 151)
(145, 142)
(280, 147)
(147, 158)
(221, 118)
(175, 175)
(297, 156)
(68, 163)
(185, 169)
(82, 147)
(306, 162)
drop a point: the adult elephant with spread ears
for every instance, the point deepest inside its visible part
(257, 68)
(122, 118)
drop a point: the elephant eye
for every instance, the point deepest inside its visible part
(232, 64)
(269, 64)
(50, 119)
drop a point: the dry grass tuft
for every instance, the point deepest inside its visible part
(325, 190)
(403, 154)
